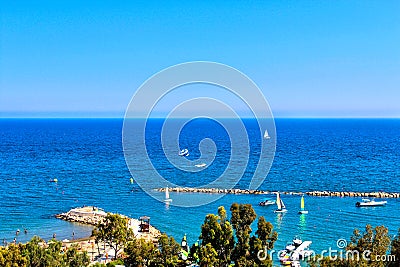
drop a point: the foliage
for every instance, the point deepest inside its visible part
(75, 259)
(12, 256)
(140, 253)
(243, 215)
(169, 251)
(217, 236)
(114, 231)
(218, 247)
(395, 250)
(36, 254)
(373, 244)
(115, 263)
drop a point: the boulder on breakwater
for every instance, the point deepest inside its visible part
(261, 192)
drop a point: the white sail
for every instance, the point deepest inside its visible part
(266, 135)
(282, 205)
(166, 193)
(278, 201)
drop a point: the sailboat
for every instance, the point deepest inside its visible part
(266, 135)
(302, 209)
(281, 206)
(167, 199)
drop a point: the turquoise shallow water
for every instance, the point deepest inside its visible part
(86, 157)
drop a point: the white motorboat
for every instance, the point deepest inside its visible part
(279, 203)
(184, 153)
(370, 203)
(295, 251)
(267, 202)
(201, 165)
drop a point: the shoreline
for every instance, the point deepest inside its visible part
(262, 192)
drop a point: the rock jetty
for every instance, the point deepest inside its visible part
(93, 216)
(261, 192)
(85, 215)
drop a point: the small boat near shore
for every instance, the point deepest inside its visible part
(365, 202)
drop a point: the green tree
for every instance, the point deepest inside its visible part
(395, 250)
(34, 252)
(374, 242)
(208, 256)
(74, 258)
(217, 232)
(12, 256)
(371, 243)
(169, 251)
(242, 216)
(114, 231)
(262, 242)
(141, 253)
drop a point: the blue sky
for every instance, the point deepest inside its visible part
(310, 58)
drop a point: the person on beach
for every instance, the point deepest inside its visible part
(15, 240)
(54, 236)
(25, 230)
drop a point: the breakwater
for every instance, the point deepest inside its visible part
(261, 192)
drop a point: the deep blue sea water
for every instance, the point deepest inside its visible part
(86, 157)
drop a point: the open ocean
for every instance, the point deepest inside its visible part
(86, 157)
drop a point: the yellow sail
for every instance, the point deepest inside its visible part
(302, 203)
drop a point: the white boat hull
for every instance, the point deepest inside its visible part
(281, 211)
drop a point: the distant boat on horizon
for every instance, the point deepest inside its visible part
(302, 209)
(266, 135)
(279, 203)
(167, 198)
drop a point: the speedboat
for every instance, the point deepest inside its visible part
(370, 203)
(200, 165)
(184, 153)
(267, 202)
(295, 251)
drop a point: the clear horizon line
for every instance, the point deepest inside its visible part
(217, 117)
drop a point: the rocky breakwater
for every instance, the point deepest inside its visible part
(353, 194)
(93, 216)
(261, 192)
(86, 215)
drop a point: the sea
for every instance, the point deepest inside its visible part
(87, 159)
